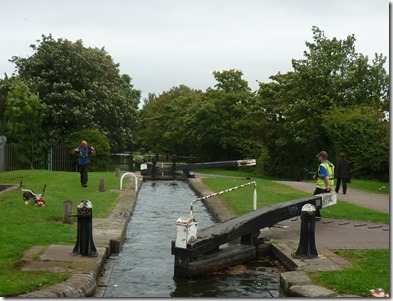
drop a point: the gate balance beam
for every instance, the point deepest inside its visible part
(212, 237)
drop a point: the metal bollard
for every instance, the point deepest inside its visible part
(84, 243)
(306, 248)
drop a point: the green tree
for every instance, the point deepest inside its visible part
(5, 87)
(363, 135)
(23, 117)
(82, 89)
(218, 122)
(165, 121)
(332, 74)
(208, 125)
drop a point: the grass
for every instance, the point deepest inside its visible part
(270, 192)
(371, 267)
(371, 270)
(367, 185)
(370, 185)
(241, 200)
(22, 227)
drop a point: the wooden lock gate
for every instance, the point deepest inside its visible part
(156, 172)
(202, 253)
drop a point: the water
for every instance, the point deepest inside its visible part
(144, 268)
(123, 161)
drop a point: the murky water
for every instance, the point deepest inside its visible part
(144, 268)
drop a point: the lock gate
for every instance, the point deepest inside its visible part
(205, 247)
(170, 172)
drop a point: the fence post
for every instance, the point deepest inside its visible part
(67, 216)
(102, 185)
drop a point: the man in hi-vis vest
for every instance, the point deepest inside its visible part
(324, 177)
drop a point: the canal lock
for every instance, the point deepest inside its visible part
(144, 267)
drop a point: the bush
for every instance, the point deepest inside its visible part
(100, 143)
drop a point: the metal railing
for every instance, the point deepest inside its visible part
(127, 174)
(228, 190)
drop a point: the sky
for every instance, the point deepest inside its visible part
(166, 43)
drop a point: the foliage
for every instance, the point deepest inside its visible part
(217, 127)
(207, 125)
(22, 227)
(334, 99)
(100, 161)
(164, 121)
(5, 87)
(363, 135)
(82, 89)
(371, 270)
(23, 118)
(295, 114)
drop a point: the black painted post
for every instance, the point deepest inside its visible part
(84, 243)
(305, 174)
(154, 160)
(174, 159)
(306, 248)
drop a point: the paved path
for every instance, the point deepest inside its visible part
(375, 201)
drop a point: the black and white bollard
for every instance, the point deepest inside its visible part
(84, 243)
(306, 248)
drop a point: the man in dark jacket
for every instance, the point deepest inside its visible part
(84, 151)
(342, 173)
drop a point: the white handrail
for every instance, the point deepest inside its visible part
(126, 174)
(228, 190)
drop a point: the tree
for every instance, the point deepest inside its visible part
(82, 89)
(165, 126)
(332, 75)
(24, 116)
(362, 134)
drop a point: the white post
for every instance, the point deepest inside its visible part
(255, 197)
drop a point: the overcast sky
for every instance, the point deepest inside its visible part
(166, 43)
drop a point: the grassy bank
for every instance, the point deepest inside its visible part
(366, 185)
(371, 270)
(22, 227)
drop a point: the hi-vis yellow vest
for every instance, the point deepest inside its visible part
(321, 182)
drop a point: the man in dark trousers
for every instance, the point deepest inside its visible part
(343, 173)
(84, 151)
(324, 177)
